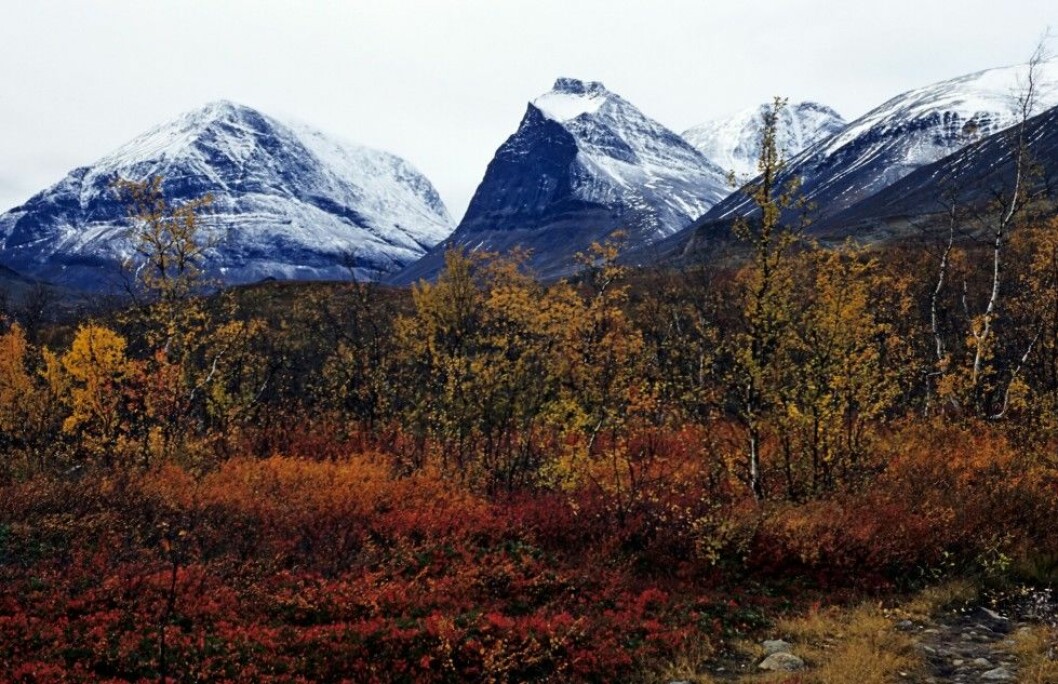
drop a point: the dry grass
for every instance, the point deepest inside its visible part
(935, 599)
(857, 645)
(1036, 649)
(839, 647)
(689, 666)
(848, 645)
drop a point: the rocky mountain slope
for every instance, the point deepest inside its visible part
(288, 202)
(970, 179)
(908, 132)
(583, 163)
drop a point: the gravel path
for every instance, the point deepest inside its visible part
(976, 643)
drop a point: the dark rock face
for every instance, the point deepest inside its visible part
(971, 177)
(529, 182)
(582, 164)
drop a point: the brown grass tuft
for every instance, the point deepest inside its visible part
(858, 645)
(1036, 649)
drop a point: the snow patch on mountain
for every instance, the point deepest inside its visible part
(905, 133)
(971, 106)
(571, 98)
(733, 142)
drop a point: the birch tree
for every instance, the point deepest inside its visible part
(1006, 207)
(766, 287)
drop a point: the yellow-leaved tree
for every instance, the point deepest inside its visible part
(200, 370)
(29, 414)
(96, 373)
(836, 385)
(474, 368)
(603, 390)
(766, 298)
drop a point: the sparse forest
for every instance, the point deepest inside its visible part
(492, 478)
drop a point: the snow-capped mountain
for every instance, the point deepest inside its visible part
(288, 202)
(968, 179)
(733, 143)
(583, 163)
(909, 131)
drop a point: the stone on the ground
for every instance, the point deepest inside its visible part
(993, 615)
(981, 662)
(782, 662)
(1000, 674)
(905, 625)
(775, 646)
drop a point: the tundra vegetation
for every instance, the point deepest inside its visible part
(490, 478)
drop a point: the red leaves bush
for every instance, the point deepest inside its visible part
(290, 570)
(950, 499)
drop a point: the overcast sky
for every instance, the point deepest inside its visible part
(444, 82)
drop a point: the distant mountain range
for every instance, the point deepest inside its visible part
(293, 203)
(908, 132)
(288, 202)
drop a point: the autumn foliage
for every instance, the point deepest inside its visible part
(490, 478)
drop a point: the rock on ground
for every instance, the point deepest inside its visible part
(775, 646)
(782, 662)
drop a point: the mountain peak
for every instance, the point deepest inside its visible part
(176, 138)
(575, 86)
(816, 107)
(583, 163)
(222, 108)
(733, 142)
(288, 202)
(571, 98)
(213, 111)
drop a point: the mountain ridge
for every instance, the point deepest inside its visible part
(289, 202)
(965, 181)
(911, 130)
(582, 164)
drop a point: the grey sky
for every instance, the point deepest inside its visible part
(444, 82)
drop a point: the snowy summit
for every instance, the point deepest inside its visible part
(571, 98)
(583, 163)
(733, 142)
(289, 202)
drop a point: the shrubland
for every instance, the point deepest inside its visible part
(491, 478)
